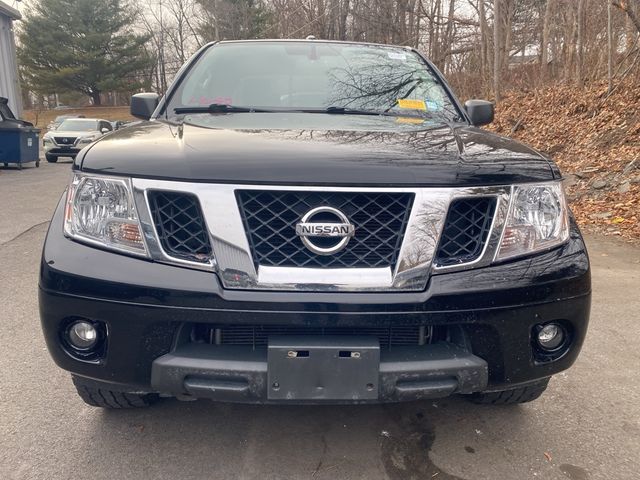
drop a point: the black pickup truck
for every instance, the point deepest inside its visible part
(309, 222)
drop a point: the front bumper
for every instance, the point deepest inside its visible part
(62, 151)
(488, 315)
(229, 373)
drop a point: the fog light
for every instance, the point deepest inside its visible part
(551, 336)
(82, 335)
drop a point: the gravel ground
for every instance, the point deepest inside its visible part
(587, 425)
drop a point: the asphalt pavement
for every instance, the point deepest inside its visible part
(586, 426)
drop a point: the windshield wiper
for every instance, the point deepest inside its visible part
(333, 110)
(219, 108)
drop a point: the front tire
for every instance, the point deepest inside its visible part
(96, 396)
(512, 396)
(51, 158)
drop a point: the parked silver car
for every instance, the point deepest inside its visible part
(73, 135)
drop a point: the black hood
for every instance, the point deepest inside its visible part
(318, 149)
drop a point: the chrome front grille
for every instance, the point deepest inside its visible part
(408, 244)
(65, 140)
(270, 219)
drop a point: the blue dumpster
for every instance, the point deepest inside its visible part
(19, 141)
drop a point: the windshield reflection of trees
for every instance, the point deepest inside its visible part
(375, 86)
(378, 86)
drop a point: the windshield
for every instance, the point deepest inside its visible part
(314, 75)
(79, 125)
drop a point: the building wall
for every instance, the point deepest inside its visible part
(9, 85)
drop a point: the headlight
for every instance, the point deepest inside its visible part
(46, 140)
(85, 141)
(538, 219)
(100, 210)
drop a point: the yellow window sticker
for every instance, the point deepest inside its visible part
(412, 104)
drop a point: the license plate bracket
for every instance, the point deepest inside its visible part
(323, 368)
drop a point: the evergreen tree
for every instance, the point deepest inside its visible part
(81, 45)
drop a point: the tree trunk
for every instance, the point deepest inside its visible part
(609, 48)
(484, 58)
(497, 49)
(544, 47)
(434, 32)
(627, 7)
(343, 20)
(580, 45)
(216, 24)
(95, 98)
(630, 34)
(570, 49)
(449, 37)
(508, 7)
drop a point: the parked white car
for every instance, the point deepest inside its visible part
(73, 135)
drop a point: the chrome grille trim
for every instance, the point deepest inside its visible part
(70, 141)
(232, 258)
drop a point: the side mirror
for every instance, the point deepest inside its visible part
(144, 104)
(104, 130)
(480, 112)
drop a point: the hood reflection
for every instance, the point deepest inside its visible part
(301, 148)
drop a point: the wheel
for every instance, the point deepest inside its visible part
(51, 158)
(95, 396)
(515, 395)
(37, 163)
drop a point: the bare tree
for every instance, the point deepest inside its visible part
(182, 32)
(482, 45)
(497, 49)
(610, 47)
(544, 43)
(631, 8)
(580, 44)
